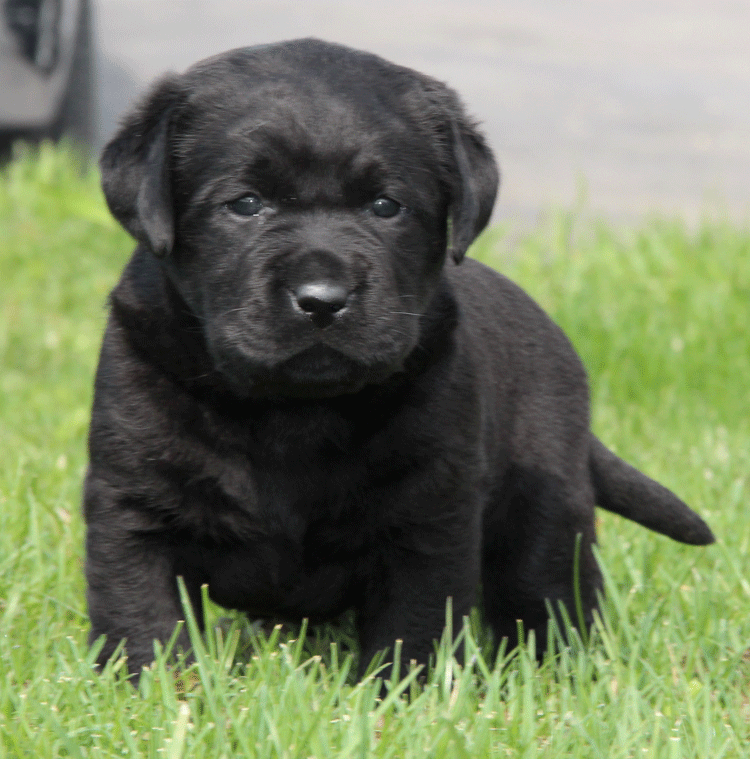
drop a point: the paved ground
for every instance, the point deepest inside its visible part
(645, 103)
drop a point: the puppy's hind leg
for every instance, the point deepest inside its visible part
(532, 556)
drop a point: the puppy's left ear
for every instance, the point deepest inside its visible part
(474, 184)
(136, 172)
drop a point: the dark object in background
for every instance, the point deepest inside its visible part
(46, 71)
(303, 400)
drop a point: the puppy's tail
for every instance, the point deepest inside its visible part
(621, 488)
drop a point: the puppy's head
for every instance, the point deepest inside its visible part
(300, 197)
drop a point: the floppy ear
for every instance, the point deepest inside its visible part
(473, 186)
(136, 173)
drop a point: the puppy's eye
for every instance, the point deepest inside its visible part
(247, 205)
(385, 207)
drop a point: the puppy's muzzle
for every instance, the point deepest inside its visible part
(321, 300)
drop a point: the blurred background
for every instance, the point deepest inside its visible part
(621, 109)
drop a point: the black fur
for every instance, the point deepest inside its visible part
(303, 457)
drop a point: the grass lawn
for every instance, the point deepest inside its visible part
(661, 318)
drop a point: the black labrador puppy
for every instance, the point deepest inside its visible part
(303, 400)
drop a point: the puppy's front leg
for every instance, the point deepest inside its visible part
(537, 553)
(407, 601)
(133, 593)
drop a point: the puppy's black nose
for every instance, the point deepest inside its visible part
(321, 299)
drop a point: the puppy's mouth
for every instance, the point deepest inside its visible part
(319, 365)
(315, 372)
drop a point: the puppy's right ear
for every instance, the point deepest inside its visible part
(135, 167)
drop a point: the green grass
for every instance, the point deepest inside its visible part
(660, 316)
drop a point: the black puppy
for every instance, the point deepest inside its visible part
(299, 402)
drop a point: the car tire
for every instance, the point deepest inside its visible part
(75, 119)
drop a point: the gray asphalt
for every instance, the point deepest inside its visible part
(630, 108)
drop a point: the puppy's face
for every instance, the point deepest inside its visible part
(298, 196)
(308, 237)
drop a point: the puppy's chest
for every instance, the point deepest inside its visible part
(306, 489)
(319, 501)
(284, 537)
